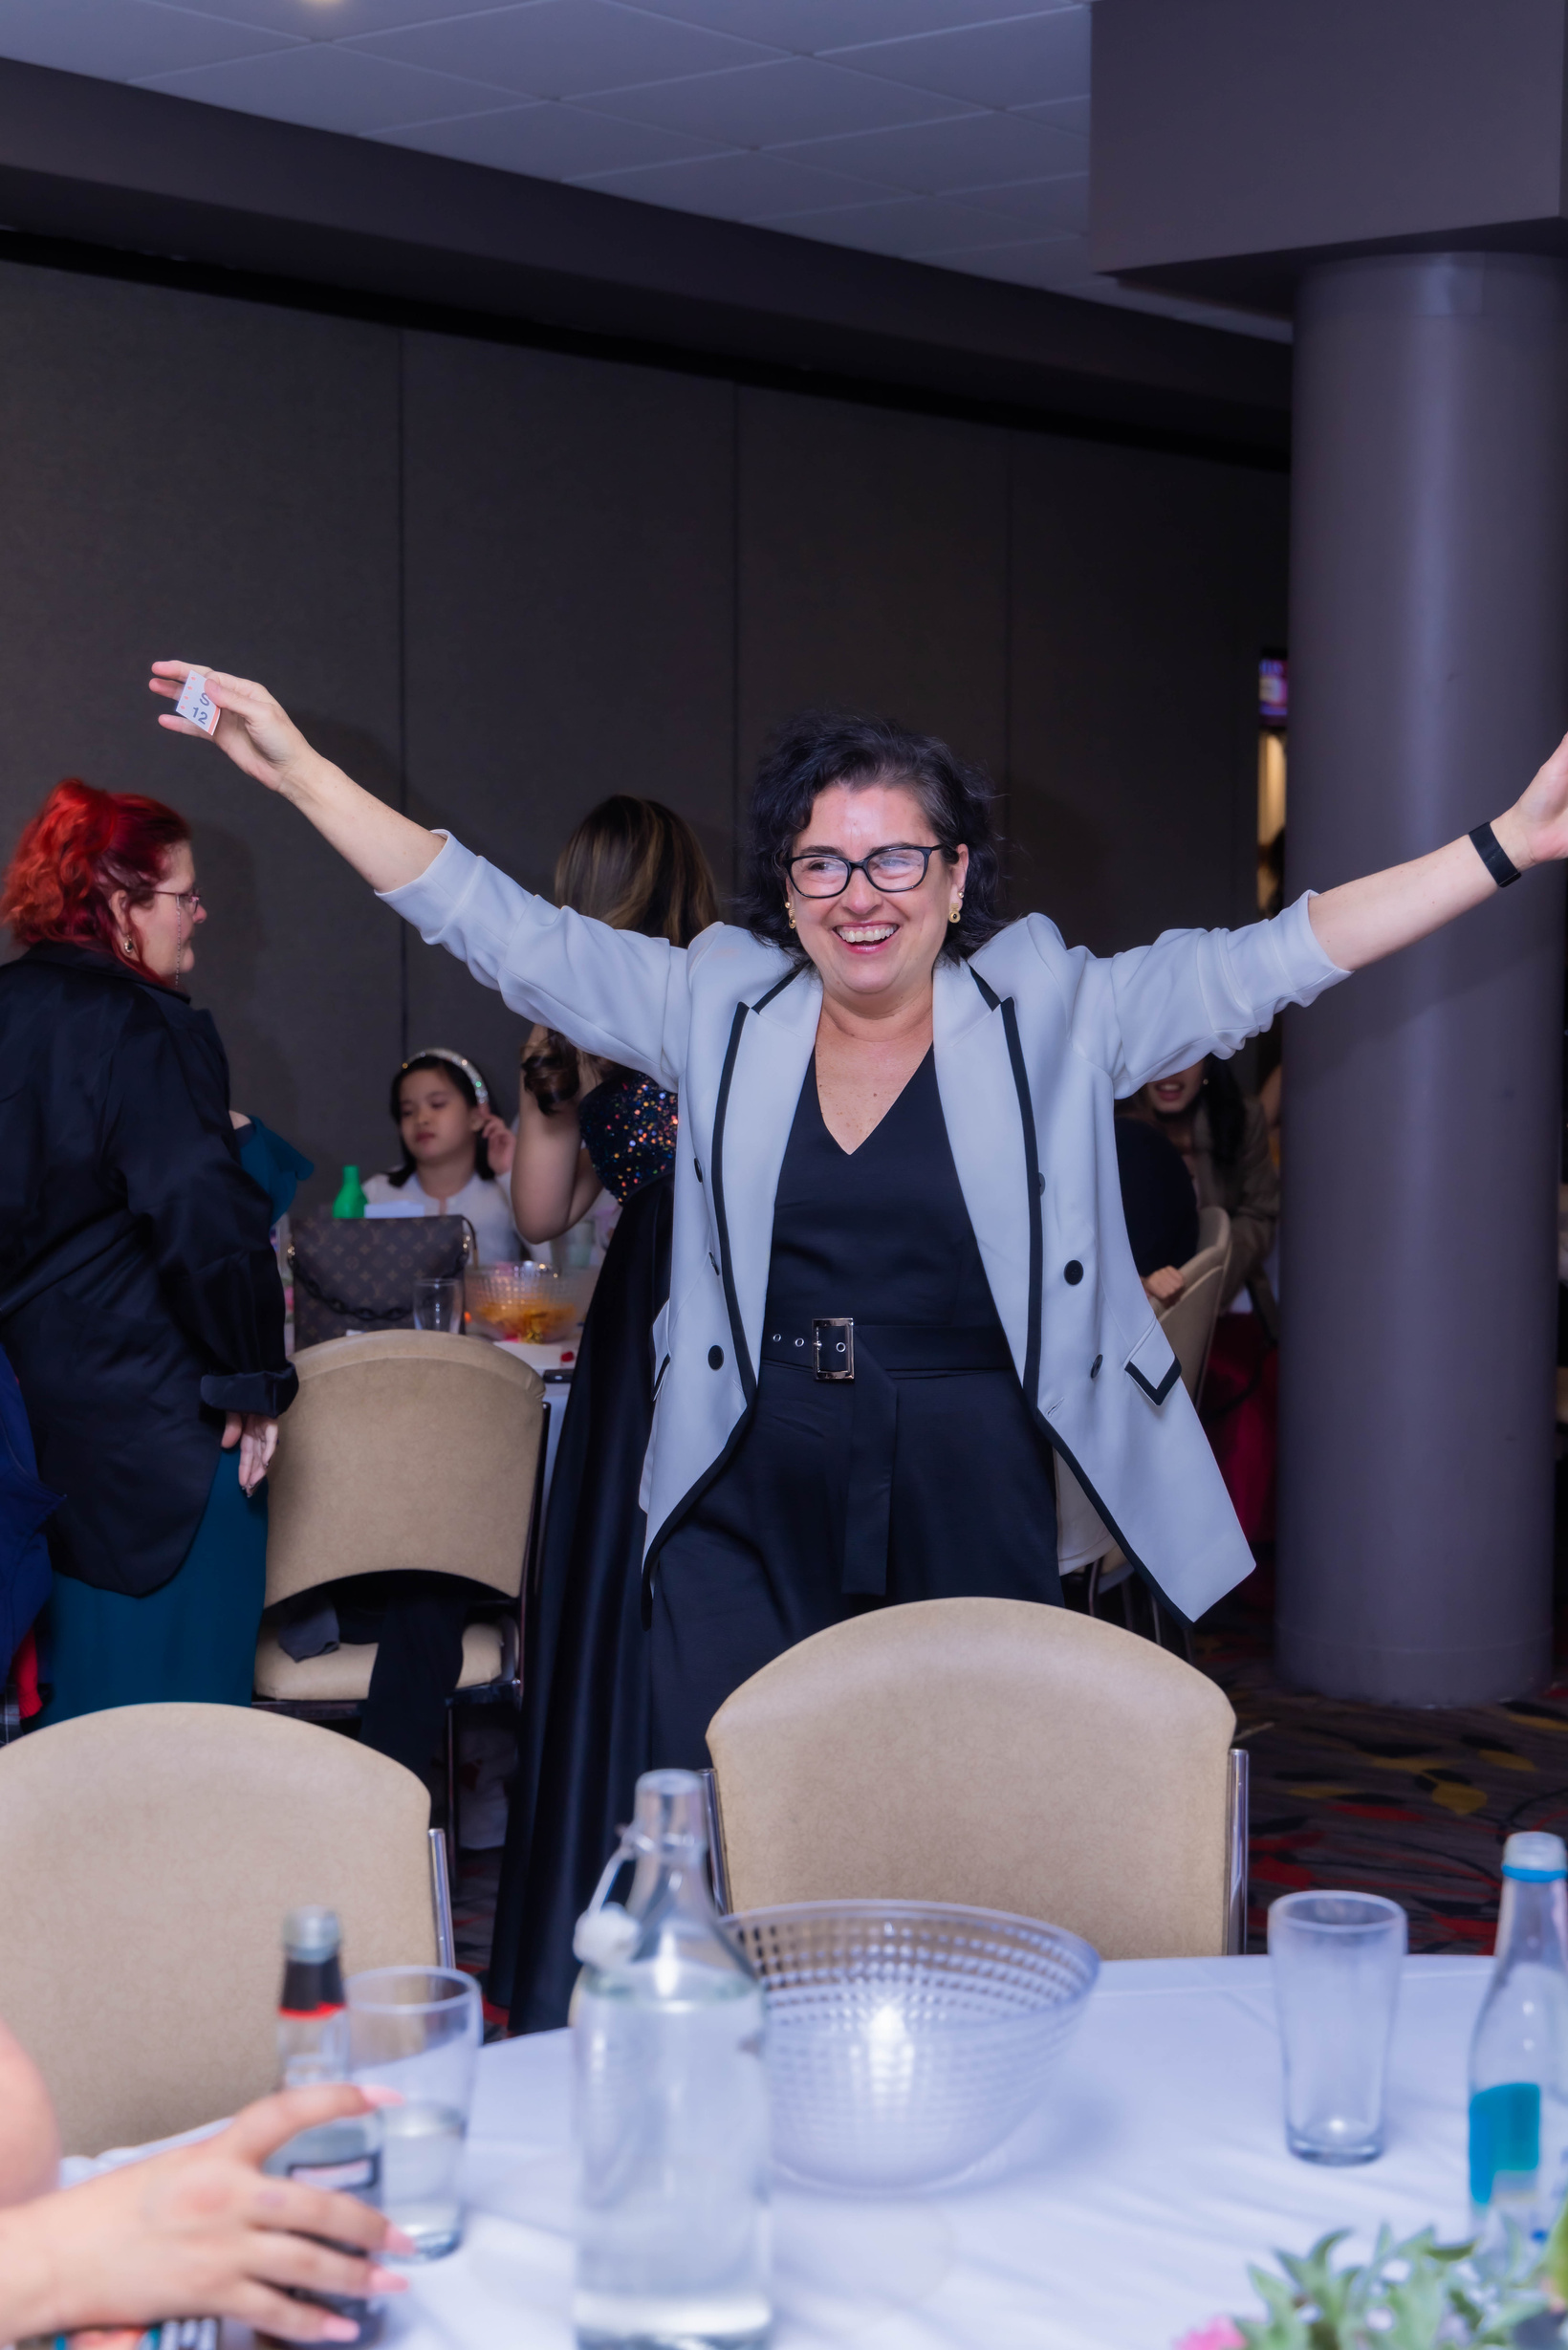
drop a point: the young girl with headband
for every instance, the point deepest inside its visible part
(454, 1150)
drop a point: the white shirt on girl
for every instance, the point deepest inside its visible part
(484, 1202)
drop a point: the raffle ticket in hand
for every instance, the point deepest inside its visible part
(196, 704)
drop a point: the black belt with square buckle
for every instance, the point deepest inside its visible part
(838, 1352)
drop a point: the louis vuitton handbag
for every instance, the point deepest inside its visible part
(355, 1275)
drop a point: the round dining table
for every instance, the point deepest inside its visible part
(1123, 2214)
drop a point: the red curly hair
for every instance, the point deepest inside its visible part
(82, 845)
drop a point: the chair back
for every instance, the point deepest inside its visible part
(148, 1856)
(994, 1752)
(411, 1449)
(1189, 1321)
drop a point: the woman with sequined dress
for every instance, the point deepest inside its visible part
(588, 1128)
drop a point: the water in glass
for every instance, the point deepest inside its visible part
(421, 2145)
(417, 2029)
(438, 1303)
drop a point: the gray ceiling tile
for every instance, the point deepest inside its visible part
(330, 88)
(547, 139)
(1067, 114)
(760, 105)
(740, 186)
(913, 228)
(1060, 204)
(320, 20)
(1020, 63)
(118, 39)
(809, 26)
(560, 48)
(937, 158)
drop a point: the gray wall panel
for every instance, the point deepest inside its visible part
(873, 565)
(1144, 588)
(570, 620)
(583, 576)
(210, 479)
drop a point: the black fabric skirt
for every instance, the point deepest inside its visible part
(758, 1563)
(585, 1732)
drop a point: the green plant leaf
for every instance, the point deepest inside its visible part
(1414, 2294)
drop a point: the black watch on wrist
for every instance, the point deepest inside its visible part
(1494, 856)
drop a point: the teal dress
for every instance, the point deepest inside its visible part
(195, 1637)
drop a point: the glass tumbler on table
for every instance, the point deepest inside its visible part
(438, 1303)
(417, 2029)
(1336, 1960)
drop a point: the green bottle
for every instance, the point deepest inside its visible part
(351, 1199)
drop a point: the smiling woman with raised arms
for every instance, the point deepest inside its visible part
(900, 1276)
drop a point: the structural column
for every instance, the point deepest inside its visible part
(1429, 678)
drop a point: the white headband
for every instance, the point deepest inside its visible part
(440, 1053)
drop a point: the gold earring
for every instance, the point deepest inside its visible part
(955, 911)
(130, 945)
(789, 911)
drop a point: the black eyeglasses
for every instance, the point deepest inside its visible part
(184, 899)
(820, 874)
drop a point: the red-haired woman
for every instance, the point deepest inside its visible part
(140, 1301)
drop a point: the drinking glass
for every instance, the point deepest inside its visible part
(417, 2029)
(438, 1304)
(1336, 1961)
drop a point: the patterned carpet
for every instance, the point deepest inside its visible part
(1410, 1804)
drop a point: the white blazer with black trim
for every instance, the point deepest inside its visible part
(1034, 1042)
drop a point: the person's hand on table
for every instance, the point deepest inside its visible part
(500, 1143)
(1164, 1287)
(200, 2232)
(256, 1437)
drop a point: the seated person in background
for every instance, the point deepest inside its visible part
(1160, 1205)
(200, 2229)
(1223, 1136)
(454, 1150)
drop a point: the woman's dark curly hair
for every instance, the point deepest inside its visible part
(821, 748)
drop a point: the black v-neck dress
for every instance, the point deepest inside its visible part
(925, 1477)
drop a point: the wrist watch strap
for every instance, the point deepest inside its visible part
(1494, 856)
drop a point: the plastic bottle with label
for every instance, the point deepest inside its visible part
(313, 2050)
(351, 1195)
(1518, 2066)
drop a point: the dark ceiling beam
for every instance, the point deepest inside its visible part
(1240, 142)
(89, 165)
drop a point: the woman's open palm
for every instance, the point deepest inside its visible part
(255, 731)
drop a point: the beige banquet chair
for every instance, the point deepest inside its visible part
(148, 1856)
(992, 1751)
(1188, 1320)
(411, 1449)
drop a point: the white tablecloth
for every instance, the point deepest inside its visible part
(1157, 2172)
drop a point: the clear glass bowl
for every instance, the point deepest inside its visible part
(523, 1302)
(907, 2040)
